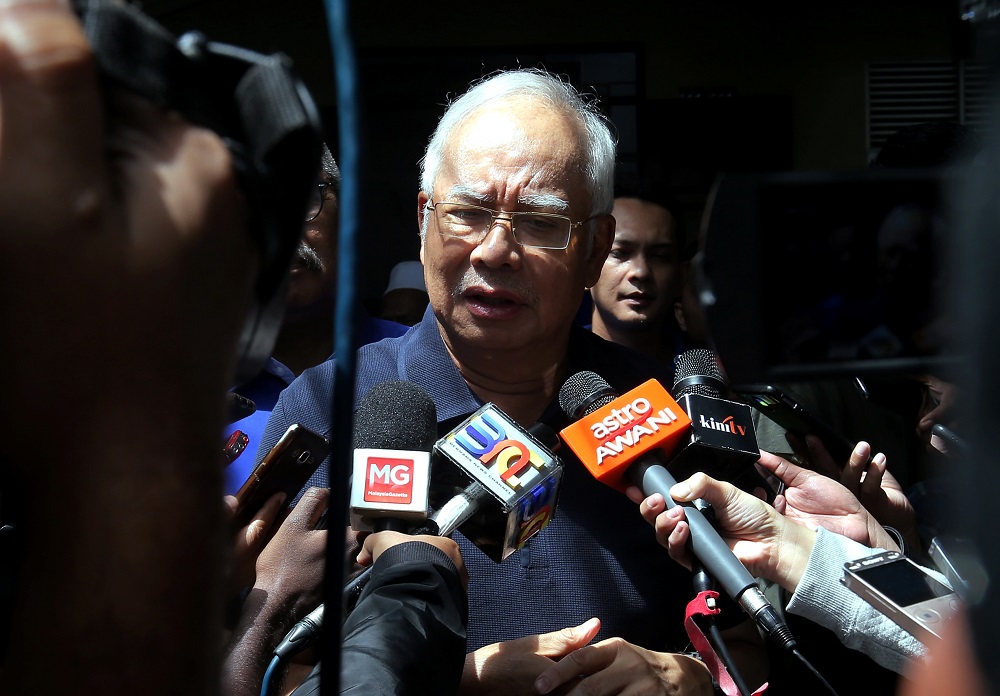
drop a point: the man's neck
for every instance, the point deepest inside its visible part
(304, 342)
(521, 383)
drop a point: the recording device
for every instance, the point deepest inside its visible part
(261, 111)
(781, 407)
(722, 441)
(496, 482)
(903, 591)
(394, 430)
(285, 468)
(961, 564)
(623, 440)
(813, 274)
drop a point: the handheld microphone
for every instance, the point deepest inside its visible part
(722, 441)
(621, 440)
(394, 430)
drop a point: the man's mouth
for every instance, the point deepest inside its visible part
(492, 300)
(492, 304)
(639, 298)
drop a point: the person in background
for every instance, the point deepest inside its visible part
(306, 336)
(405, 298)
(633, 299)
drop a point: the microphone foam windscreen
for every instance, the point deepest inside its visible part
(396, 416)
(585, 392)
(698, 372)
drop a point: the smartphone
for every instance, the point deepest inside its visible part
(787, 412)
(903, 591)
(287, 467)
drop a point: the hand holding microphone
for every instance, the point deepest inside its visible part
(621, 441)
(769, 545)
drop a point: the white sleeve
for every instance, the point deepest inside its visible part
(823, 599)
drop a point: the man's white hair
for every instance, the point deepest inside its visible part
(599, 143)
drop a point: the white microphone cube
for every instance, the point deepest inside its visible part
(389, 484)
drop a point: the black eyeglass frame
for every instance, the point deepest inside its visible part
(322, 186)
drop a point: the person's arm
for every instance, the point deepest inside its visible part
(805, 562)
(125, 268)
(288, 585)
(406, 635)
(820, 597)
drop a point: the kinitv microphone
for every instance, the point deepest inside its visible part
(394, 430)
(722, 441)
(624, 440)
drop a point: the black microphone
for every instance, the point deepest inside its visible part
(722, 441)
(590, 400)
(394, 430)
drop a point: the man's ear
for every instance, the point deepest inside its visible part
(422, 199)
(600, 247)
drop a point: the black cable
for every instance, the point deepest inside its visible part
(815, 672)
(702, 583)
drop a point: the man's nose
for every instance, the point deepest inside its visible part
(498, 247)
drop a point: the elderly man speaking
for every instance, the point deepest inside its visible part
(514, 213)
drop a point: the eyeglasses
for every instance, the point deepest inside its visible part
(316, 196)
(472, 222)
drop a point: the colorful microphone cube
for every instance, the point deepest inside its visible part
(519, 475)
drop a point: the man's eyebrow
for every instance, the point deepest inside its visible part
(544, 201)
(468, 193)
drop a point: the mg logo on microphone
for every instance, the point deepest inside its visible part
(389, 480)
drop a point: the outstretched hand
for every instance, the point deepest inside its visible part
(510, 668)
(869, 480)
(768, 544)
(816, 500)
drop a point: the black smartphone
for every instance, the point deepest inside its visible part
(903, 591)
(286, 468)
(786, 411)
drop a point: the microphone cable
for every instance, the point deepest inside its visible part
(303, 635)
(703, 582)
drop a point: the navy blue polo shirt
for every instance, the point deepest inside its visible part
(597, 557)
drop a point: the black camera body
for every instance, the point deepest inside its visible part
(258, 107)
